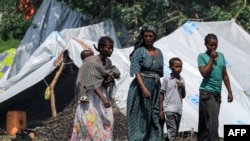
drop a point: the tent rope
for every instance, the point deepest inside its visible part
(46, 82)
(68, 63)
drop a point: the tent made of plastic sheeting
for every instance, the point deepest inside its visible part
(186, 43)
(6, 60)
(28, 94)
(25, 91)
(57, 40)
(93, 32)
(51, 16)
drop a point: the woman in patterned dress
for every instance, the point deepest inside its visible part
(143, 121)
(94, 117)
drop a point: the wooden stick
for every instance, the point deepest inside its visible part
(52, 94)
(192, 134)
(57, 75)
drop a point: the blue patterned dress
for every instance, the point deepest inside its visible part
(143, 121)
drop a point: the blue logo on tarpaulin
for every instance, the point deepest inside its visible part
(190, 27)
(240, 122)
(194, 99)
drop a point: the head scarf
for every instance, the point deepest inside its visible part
(149, 28)
(139, 41)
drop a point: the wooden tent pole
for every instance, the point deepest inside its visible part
(52, 86)
(58, 73)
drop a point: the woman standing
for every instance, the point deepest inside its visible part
(143, 121)
(212, 67)
(94, 118)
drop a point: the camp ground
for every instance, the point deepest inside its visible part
(24, 89)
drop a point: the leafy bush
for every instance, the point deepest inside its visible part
(11, 43)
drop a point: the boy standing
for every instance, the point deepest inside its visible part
(171, 94)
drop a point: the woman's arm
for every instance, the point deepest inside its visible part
(105, 101)
(144, 89)
(227, 84)
(205, 70)
(161, 113)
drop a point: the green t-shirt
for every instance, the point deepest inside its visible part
(213, 82)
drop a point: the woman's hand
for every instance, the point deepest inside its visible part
(106, 103)
(161, 115)
(230, 97)
(146, 93)
(144, 89)
(213, 54)
(108, 78)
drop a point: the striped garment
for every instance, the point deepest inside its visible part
(91, 74)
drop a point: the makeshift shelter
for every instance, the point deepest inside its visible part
(51, 16)
(27, 90)
(50, 31)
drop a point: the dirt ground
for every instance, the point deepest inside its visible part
(60, 128)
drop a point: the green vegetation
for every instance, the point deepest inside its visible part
(166, 15)
(11, 43)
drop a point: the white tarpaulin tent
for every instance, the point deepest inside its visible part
(55, 42)
(40, 65)
(51, 15)
(186, 42)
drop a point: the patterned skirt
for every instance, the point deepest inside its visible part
(92, 121)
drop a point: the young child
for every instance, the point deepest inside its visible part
(109, 75)
(84, 54)
(171, 94)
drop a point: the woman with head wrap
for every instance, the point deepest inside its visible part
(94, 117)
(143, 121)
